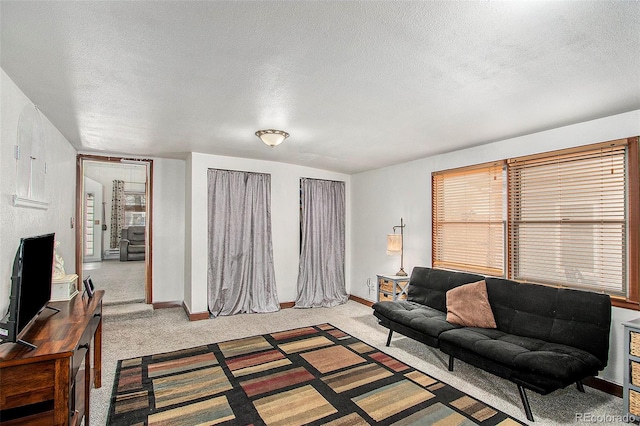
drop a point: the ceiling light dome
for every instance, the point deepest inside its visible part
(272, 137)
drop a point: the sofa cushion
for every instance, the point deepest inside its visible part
(136, 248)
(421, 318)
(468, 305)
(429, 286)
(135, 234)
(575, 318)
(529, 355)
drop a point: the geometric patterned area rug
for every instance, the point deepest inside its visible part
(316, 375)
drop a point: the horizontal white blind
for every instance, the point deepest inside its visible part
(567, 219)
(468, 223)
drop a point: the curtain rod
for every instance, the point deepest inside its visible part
(326, 180)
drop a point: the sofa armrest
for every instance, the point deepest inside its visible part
(124, 248)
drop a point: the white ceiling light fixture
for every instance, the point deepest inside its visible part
(272, 137)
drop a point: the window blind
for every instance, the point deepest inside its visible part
(468, 220)
(567, 218)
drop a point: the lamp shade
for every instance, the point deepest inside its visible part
(394, 244)
(272, 137)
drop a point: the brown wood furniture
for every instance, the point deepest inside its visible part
(42, 386)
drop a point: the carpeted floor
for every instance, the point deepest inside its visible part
(124, 282)
(169, 330)
(308, 375)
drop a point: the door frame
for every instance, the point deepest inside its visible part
(148, 258)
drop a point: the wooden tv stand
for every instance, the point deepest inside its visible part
(46, 385)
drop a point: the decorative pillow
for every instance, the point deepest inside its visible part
(468, 305)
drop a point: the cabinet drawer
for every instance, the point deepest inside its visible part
(385, 296)
(634, 367)
(634, 343)
(386, 286)
(39, 387)
(634, 402)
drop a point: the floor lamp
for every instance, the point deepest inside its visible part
(395, 245)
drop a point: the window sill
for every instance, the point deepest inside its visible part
(625, 304)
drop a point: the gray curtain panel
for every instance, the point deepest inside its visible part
(321, 272)
(240, 276)
(117, 213)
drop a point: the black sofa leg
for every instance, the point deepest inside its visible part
(389, 338)
(450, 363)
(525, 402)
(580, 386)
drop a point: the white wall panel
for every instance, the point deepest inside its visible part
(60, 192)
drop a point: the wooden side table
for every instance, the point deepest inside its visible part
(47, 385)
(631, 377)
(392, 287)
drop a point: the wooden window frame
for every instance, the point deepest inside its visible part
(550, 200)
(633, 217)
(632, 182)
(436, 226)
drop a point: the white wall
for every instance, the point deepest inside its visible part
(381, 197)
(188, 260)
(17, 222)
(285, 219)
(168, 216)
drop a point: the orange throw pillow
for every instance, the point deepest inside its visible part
(468, 305)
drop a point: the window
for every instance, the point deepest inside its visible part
(567, 222)
(571, 219)
(468, 224)
(135, 208)
(89, 201)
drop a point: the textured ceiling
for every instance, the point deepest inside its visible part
(358, 85)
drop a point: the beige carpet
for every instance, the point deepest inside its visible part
(170, 330)
(124, 282)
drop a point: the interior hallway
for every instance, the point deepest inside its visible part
(123, 282)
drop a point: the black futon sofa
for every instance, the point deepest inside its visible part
(546, 338)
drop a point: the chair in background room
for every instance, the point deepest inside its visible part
(132, 243)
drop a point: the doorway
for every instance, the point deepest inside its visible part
(113, 215)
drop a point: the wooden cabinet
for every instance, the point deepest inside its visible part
(392, 287)
(631, 379)
(50, 385)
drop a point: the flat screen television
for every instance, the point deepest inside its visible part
(30, 286)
